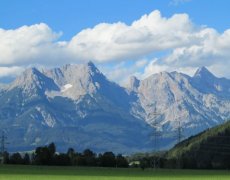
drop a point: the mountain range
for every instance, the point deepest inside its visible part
(77, 106)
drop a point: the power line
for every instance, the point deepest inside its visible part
(179, 132)
(156, 132)
(3, 143)
(179, 129)
(156, 135)
(156, 127)
(3, 147)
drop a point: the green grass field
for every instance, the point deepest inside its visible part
(77, 173)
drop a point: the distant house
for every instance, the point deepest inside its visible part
(134, 164)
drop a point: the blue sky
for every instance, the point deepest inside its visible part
(71, 16)
(64, 19)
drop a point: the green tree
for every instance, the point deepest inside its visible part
(72, 156)
(61, 160)
(26, 159)
(144, 163)
(108, 159)
(16, 158)
(121, 161)
(42, 156)
(90, 157)
(6, 157)
(52, 149)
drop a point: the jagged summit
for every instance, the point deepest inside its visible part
(32, 79)
(206, 82)
(91, 65)
(94, 71)
(133, 83)
(78, 80)
(32, 70)
(203, 72)
(30, 73)
(80, 77)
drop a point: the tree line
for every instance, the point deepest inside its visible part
(199, 160)
(202, 157)
(47, 155)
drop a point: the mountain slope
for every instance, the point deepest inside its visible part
(91, 113)
(169, 98)
(209, 149)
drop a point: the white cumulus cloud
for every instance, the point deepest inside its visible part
(27, 44)
(10, 71)
(183, 46)
(118, 41)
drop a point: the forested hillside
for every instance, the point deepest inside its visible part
(209, 149)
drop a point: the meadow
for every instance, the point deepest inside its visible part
(20, 172)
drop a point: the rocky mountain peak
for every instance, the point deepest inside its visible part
(91, 65)
(133, 83)
(32, 78)
(30, 75)
(206, 82)
(203, 72)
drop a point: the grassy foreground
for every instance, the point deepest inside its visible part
(8, 172)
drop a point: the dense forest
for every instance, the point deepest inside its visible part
(47, 155)
(209, 149)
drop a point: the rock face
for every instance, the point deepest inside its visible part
(77, 106)
(197, 103)
(73, 106)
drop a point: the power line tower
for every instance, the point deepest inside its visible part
(179, 136)
(3, 147)
(179, 129)
(179, 132)
(156, 136)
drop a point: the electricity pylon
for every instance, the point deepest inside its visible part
(179, 132)
(3, 147)
(156, 135)
(3, 143)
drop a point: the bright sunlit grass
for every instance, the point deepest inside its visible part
(84, 173)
